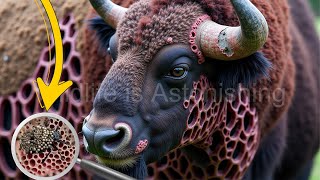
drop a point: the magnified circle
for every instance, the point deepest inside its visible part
(45, 146)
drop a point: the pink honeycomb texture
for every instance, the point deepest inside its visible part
(47, 164)
(225, 130)
(17, 106)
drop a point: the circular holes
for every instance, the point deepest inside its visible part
(75, 66)
(65, 75)
(49, 56)
(248, 122)
(66, 20)
(75, 111)
(72, 30)
(186, 104)
(187, 135)
(241, 110)
(26, 90)
(62, 34)
(238, 152)
(29, 156)
(236, 130)
(6, 112)
(75, 92)
(224, 166)
(202, 118)
(32, 162)
(193, 117)
(66, 51)
(218, 140)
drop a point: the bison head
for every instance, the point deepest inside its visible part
(160, 49)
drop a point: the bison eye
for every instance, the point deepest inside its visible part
(109, 52)
(178, 72)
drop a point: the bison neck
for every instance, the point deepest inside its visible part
(220, 140)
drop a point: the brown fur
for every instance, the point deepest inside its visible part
(302, 145)
(277, 49)
(97, 63)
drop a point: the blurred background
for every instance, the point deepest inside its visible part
(315, 5)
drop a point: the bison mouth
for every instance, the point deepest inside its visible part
(134, 166)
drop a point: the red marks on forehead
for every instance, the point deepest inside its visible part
(169, 40)
(143, 23)
(226, 131)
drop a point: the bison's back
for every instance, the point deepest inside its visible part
(303, 115)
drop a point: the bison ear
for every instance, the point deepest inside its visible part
(104, 32)
(247, 71)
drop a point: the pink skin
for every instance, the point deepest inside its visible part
(141, 146)
(170, 40)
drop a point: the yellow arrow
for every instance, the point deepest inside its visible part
(51, 92)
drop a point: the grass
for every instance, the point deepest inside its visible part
(315, 175)
(318, 24)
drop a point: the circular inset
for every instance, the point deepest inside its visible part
(45, 146)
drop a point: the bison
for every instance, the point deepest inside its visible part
(206, 89)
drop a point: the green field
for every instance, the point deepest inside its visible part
(316, 169)
(318, 24)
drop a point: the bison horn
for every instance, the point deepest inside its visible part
(110, 12)
(230, 43)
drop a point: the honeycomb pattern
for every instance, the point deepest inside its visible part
(53, 160)
(16, 107)
(225, 132)
(192, 38)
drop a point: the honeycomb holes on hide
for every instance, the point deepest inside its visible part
(45, 146)
(16, 107)
(227, 129)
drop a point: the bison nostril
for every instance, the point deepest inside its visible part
(106, 142)
(114, 140)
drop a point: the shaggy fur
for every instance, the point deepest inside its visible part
(303, 116)
(275, 49)
(138, 171)
(246, 71)
(97, 62)
(104, 32)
